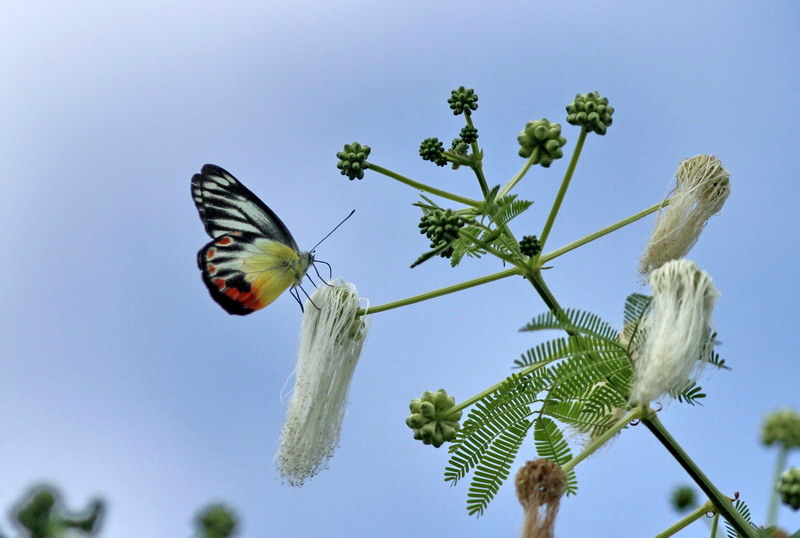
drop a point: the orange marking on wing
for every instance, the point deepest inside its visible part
(220, 283)
(225, 241)
(211, 268)
(210, 253)
(233, 293)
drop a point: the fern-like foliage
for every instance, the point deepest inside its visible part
(582, 380)
(550, 444)
(637, 306)
(740, 506)
(490, 230)
(509, 404)
(574, 322)
(689, 394)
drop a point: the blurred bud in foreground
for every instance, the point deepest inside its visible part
(703, 186)
(789, 488)
(782, 427)
(540, 485)
(42, 515)
(677, 330)
(217, 521)
(331, 339)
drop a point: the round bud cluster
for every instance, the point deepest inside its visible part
(463, 101)
(591, 112)
(530, 245)
(782, 427)
(468, 134)
(441, 227)
(459, 146)
(352, 160)
(430, 419)
(431, 150)
(789, 488)
(683, 498)
(218, 520)
(542, 140)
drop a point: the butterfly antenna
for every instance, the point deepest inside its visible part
(336, 228)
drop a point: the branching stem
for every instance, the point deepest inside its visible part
(423, 187)
(562, 191)
(438, 293)
(605, 231)
(707, 507)
(600, 440)
(721, 502)
(780, 465)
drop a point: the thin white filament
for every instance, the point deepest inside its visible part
(331, 340)
(702, 188)
(677, 331)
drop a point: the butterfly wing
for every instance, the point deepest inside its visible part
(253, 257)
(227, 207)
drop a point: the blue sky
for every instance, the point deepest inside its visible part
(121, 378)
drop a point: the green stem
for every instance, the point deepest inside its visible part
(477, 158)
(707, 507)
(422, 187)
(721, 502)
(547, 296)
(605, 231)
(517, 177)
(573, 163)
(780, 465)
(714, 525)
(482, 394)
(438, 293)
(600, 440)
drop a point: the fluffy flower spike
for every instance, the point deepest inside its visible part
(702, 188)
(677, 332)
(331, 339)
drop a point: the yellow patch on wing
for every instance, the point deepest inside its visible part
(272, 267)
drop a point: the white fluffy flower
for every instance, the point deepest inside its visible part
(677, 331)
(331, 339)
(702, 188)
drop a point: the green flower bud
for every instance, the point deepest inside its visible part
(353, 160)
(431, 149)
(530, 246)
(459, 146)
(463, 101)
(441, 227)
(430, 420)
(591, 112)
(789, 488)
(468, 134)
(782, 427)
(683, 498)
(217, 521)
(542, 140)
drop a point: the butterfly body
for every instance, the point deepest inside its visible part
(252, 258)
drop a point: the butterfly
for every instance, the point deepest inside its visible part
(253, 258)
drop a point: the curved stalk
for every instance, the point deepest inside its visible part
(605, 231)
(562, 191)
(423, 187)
(438, 293)
(707, 507)
(721, 502)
